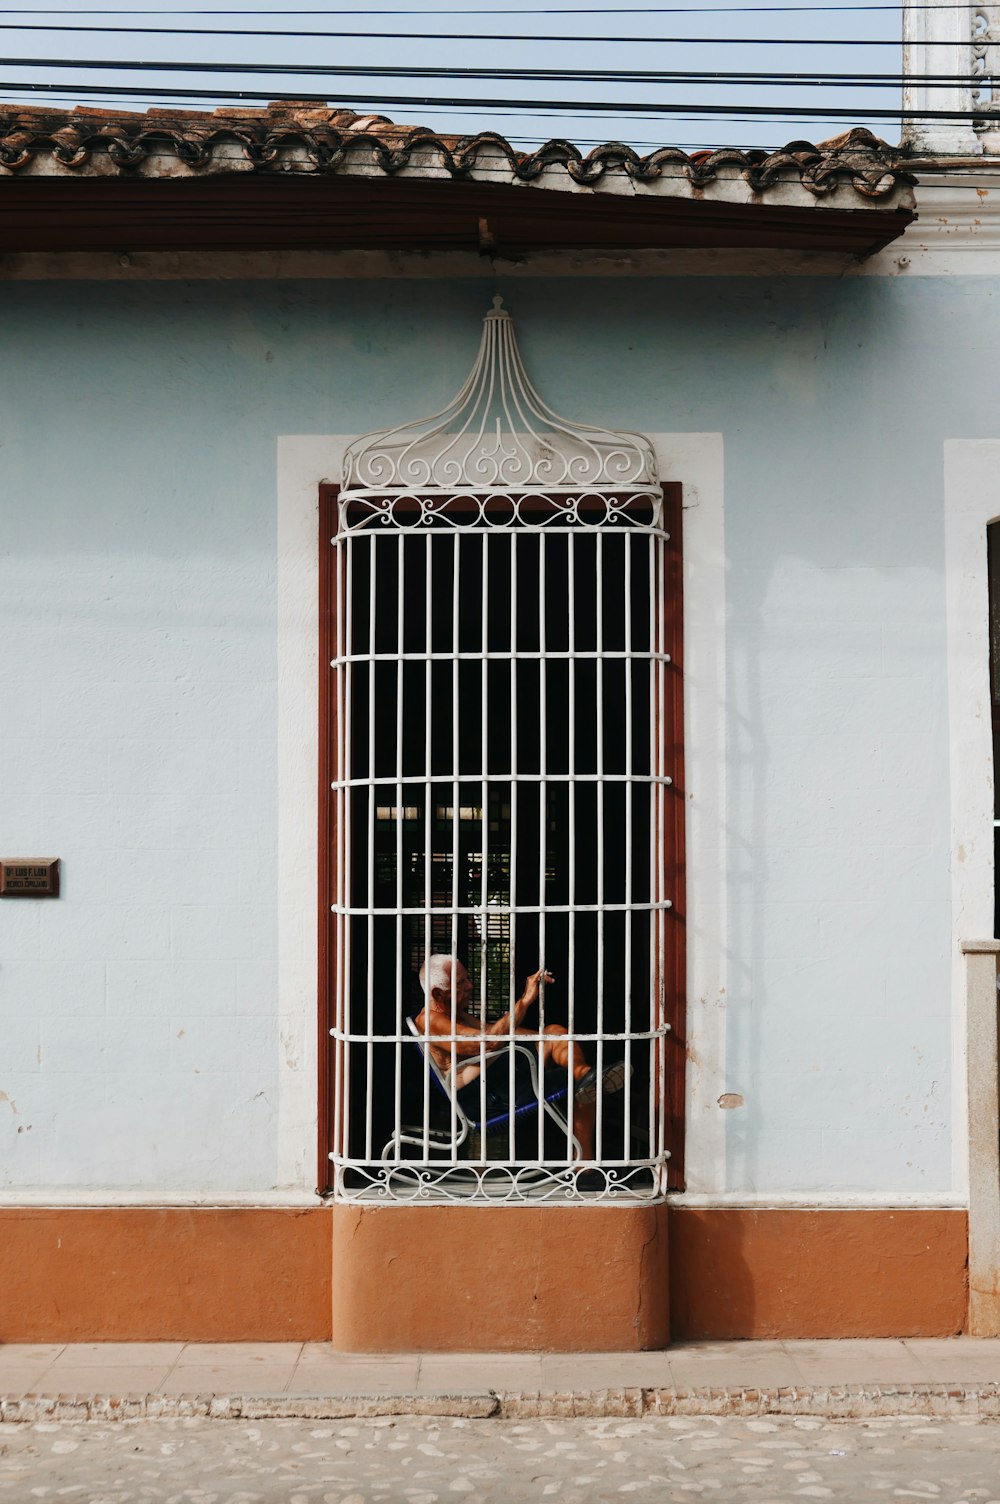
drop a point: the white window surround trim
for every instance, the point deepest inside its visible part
(696, 460)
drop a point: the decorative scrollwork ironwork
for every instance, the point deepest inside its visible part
(405, 1182)
(498, 455)
(414, 510)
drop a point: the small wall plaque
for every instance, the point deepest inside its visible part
(29, 877)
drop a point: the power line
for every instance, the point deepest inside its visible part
(548, 10)
(543, 75)
(463, 36)
(430, 105)
(532, 142)
(807, 118)
(771, 112)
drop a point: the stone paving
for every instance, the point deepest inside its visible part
(424, 1461)
(309, 1368)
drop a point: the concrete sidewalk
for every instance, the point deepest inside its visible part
(957, 1376)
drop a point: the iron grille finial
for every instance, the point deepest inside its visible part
(498, 438)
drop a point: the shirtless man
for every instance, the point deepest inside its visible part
(459, 1059)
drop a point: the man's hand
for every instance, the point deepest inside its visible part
(531, 990)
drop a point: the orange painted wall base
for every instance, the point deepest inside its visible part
(564, 1278)
(500, 1279)
(171, 1274)
(779, 1273)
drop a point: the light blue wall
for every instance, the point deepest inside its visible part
(137, 542)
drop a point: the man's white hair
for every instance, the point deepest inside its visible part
(436, 972)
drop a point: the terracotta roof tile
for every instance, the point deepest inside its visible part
(315, 137)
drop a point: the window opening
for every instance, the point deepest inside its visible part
(500, 799)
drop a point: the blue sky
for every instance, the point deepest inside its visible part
(578, 45)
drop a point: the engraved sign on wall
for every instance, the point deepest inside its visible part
(29, 877)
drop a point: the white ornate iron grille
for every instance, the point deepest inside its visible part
(500, 798)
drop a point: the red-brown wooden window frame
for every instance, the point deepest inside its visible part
(672, 739)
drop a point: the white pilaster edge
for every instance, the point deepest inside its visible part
(971, 501)
(302, 463)
(984, 1137)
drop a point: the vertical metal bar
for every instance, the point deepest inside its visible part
(348, 833)
(571, 858)
(513, 838)
(599, 796)
(428, 831)
(542, 832)
(653, 637)
(339, 856)
(661, 844)
(484, 840)
(455, 813)
(370, 918)
(629, 916)
(400, 668)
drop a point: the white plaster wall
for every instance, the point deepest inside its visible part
(138, 1019)
(157, 668)
(840, 933)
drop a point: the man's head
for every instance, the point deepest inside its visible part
(437, 977)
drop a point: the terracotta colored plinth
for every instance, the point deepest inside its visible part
(778, 1273)
(500, 1279)
(144, 1274)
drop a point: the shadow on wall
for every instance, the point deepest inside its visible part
(838, 846)
(786, 1273)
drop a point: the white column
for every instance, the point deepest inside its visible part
(984, 1137)
(937, 39)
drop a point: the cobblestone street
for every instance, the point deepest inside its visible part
(423, 1461)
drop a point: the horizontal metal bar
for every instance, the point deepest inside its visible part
(581, 491)
(501, 1164)
(426, 780)
(448, 911)
(477, 529)
(578, 655)
(499, 1041)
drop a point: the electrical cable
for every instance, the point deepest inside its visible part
(534, 141)
(690, 77)
(492, 10)
(530, 111)
(592, 107)
(957, 179)
(456, 36)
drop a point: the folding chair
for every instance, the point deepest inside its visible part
(467, 1122)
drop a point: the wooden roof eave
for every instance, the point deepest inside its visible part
(297, 211)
